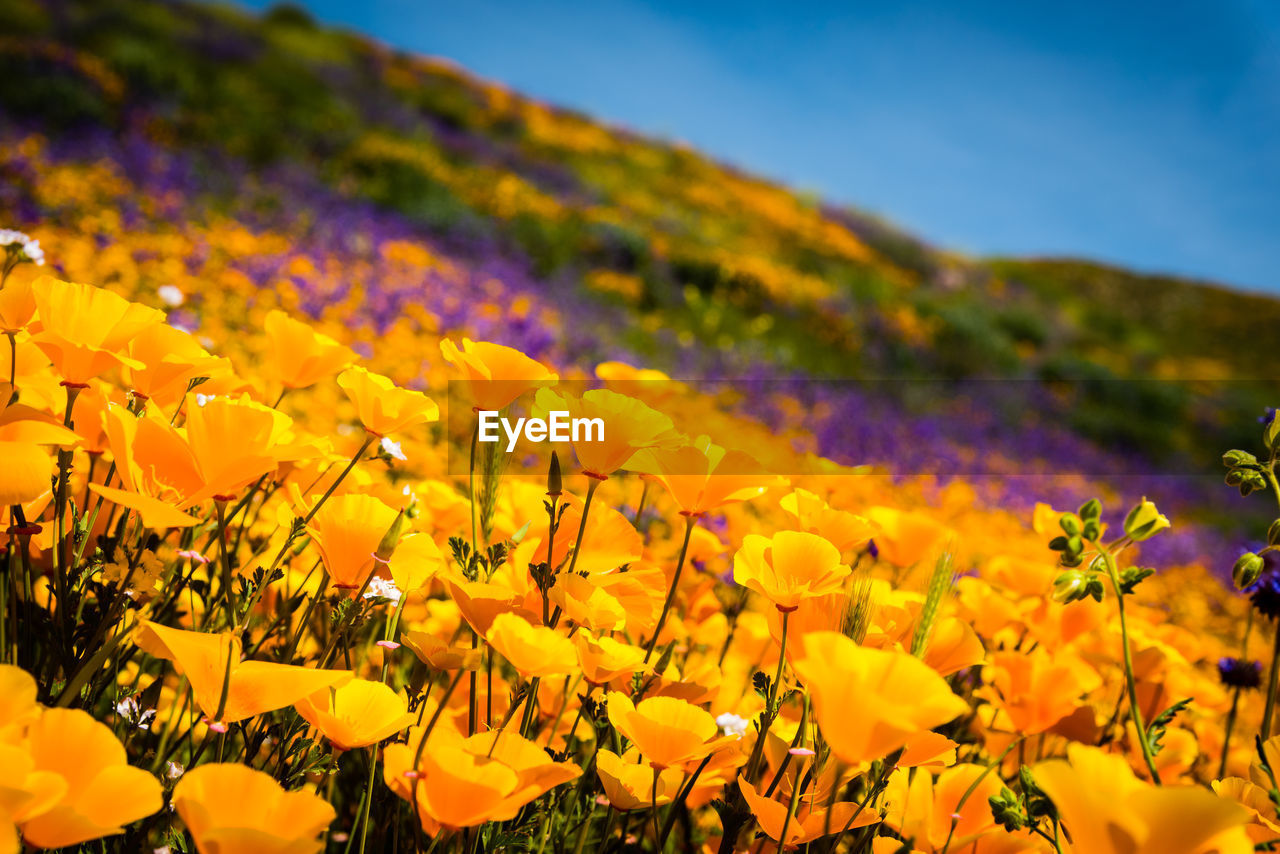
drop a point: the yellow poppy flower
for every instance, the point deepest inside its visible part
(870, 702)
(347, 530)
(629, 785)
(630, 426)
(17, 305)
(668, 731)
(84, 330)
(103, 792)
(604, 659)
(210, 660)
(810, 820)
(532, 650)
(789, 567)
(297, 355)
(382, 406)
(702, 477)
(169, 358)
(356, 713)
(232, 809)
(25, 435)
(586, 604)
(496, 375)
(1108, 810)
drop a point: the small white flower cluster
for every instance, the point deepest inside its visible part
(171, 295)
(131, 710)
(732, 724)
(392, 449)
(382, 588)
(21, 244)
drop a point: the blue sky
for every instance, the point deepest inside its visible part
(1146, 134)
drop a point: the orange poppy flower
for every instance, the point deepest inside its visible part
(347, 530)
(604, 659)
(17, 306)
(586, 604)
(532, 650)
(100, 791)
(702, 476)
(24, 794)
(25, 433)
(233, 442)
(383, 407)
(417, 560)
(630, 426)
(84, 330)
(210, 660)
(169, 358)
(789, 567)
(18, 706)
(922, 809)
(480, 602)
(810, 820)
(436, 653)
(496, 375)
(608, 541)
(226, 445)
(843, 529)
(156, 514)
(357, 713)
(230, 808)
(1110, 811)
(466, 782)
(928, 749)
(297, 355)
(870, 702)
(629, 785)
(1035, 689)
(905, 538)
(666, 730)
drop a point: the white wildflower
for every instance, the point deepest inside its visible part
(131, 710)
(393, 449)
(732, 724)
(382, 588)
(171, 295)
(21, 244)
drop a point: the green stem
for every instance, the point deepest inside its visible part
(1131, 683)
(653, 809)
(689, 522)
(368, 798)
(973, 787)
(1226, 734)
(228, 586)
(791, 811)
(770, 711)
(1273, 684)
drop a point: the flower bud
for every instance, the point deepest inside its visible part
(1071, 523)
(1234, 458)
(1246, 570)
(1271, 436)
(387, 545)
(1069, 586)
(555, 484)
(1091, 509)
(1144, 521)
